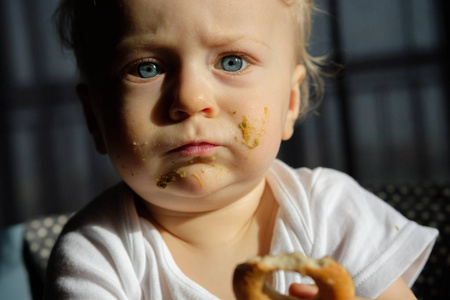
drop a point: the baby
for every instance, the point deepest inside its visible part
(190, 99)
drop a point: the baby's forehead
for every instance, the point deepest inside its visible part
(101, 11)
(117, 20)
(218, 15)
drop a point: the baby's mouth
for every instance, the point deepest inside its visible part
(194, 149)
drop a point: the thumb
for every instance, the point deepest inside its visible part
(303, 290)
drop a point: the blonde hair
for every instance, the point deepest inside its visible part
(80, 23)
(303, 13)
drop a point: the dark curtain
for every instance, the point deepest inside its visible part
(384, 118)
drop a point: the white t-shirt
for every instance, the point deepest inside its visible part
(108, 252)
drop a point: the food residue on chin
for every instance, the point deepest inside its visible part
(199, 179)
(164, 180)
(168, 178)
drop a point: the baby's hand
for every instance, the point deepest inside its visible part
(303, 290)
(306, 291)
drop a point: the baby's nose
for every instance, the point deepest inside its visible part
(194, 96)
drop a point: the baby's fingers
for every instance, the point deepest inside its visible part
(303, 290)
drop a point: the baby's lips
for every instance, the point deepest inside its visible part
(195, 148)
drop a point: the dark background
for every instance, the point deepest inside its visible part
(385, 119)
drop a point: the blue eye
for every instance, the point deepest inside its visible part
(232, 63)
(148, 70)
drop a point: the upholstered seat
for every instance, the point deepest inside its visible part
(428, 205)
(39, 238)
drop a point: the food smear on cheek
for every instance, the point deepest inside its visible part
(248, 131)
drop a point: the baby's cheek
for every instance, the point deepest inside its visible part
(129, 158)
(252, 130)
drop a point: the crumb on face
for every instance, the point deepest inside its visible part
(168, 178)
(199, 179)
(164, 180)
(248, 130)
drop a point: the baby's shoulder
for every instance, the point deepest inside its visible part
(312, 188)
(321, 176)
(331, 185)
(316, 180)
(104, 211)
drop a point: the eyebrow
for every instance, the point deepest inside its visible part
(133, 44)
(217, 41)
(227, 40)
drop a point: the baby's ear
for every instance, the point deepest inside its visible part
(294, 102)
(85, 96)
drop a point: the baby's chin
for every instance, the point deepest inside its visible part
(195, 181)
(198, 192)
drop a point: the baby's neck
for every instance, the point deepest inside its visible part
(208, 246)
(228, 225)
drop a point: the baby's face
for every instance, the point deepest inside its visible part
(201, 95)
